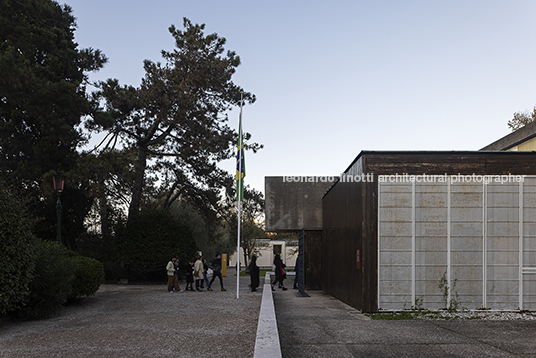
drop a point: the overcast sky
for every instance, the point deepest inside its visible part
(333, 78)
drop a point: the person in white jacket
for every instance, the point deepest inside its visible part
(171, 277)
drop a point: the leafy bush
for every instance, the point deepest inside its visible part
(52, 284)
(88, 276)
(148, 241)
(17, 246)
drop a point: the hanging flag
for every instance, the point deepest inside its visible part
(240, 163)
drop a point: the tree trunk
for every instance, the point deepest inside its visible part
(139, 179)
(105, 222)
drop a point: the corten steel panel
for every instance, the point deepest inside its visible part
(341, 239)
(291, 206)
(439, 163)
(369, 246)
(313, 260)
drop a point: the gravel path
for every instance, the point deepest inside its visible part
(143, 321)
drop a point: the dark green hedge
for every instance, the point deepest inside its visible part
(17, 246)
(60, 275)
(89, 275)
(52, 284)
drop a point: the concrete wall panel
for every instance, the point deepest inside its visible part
(397, 200)
(430, 258)
(503, 229)
(466, 214)
(503, 214)
(396, 273)
(435, 234)
(395, 258)
(466, 200)
(499, 243)
(465, 257)
(393, 228)
(431, 200)
(471, 273)
(430, 228)
(466, 243)
(396, 243)
(396, 287)
(395, 214)
(428, 273)
(466, 229)
(431, 243)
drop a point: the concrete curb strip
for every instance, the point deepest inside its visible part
(267, 342)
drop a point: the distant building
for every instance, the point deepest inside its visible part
(523, 139)
(266, 250)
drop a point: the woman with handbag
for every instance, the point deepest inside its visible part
(280, 273)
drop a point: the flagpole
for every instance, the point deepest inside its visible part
(239, 195)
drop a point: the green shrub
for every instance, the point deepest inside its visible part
(52, 284)
(148, 241)
(88, 276)
(17, 246)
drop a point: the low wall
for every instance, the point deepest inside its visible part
(267, 341)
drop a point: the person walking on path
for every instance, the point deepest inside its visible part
(215, 265)
(172, 278)
(190, 275)
(198, 273)
(254, 274)
(280, 273)
(205, 273)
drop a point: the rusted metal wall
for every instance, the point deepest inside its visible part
(313, 260)
(295, 203)
(342, 213)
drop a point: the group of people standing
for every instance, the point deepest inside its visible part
(279, 268)
(195, 271)
(198, 272)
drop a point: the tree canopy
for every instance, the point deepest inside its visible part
(176, 120)
(521, 119)
(43, 98)
(42, 89)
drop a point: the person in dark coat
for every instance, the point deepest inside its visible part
(254, 274)
(190, 275)
(215, 265)
(205, 273)
(280, 274)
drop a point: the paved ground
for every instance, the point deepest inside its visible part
(321, 326)
(143, 321)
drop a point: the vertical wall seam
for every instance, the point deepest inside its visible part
(448, 243)
(484, 246)
(521, 234)
(413, 258)
(379, 241)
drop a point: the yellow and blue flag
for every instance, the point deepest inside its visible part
(240, 164)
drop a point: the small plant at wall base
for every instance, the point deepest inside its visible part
(443, 284)
(419, 304)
